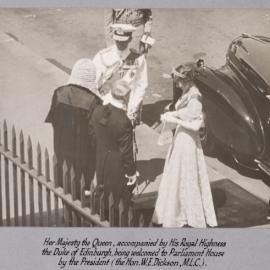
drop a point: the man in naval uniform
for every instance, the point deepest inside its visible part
(119, 62)
(139, 18)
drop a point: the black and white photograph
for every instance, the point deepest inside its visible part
(124, 117)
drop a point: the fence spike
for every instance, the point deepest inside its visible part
(22, 155)
(39, 161)
(30, 153)
(5, 136)
(0, 136)
(14, 142)
(55, 171)
(73, 184)
(47, 165)
(82, 191)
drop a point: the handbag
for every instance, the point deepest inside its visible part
(166, 135)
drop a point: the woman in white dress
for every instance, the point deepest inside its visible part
(184, 196)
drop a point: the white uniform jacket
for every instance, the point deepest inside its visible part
(112, 65)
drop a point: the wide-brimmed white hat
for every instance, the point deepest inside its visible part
(84, 74)
(122, 31)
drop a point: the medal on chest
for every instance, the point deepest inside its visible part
(128, 70)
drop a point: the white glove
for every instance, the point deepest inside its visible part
(165, 116)
(132, 179)
(132, 116)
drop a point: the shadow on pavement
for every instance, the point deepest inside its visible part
(151, 112)
(150, 169)
(236, 207)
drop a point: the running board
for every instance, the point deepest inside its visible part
(263, 166)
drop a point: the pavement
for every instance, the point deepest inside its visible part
(38, 47)
(27, 84)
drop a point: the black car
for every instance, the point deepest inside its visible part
(236, 99)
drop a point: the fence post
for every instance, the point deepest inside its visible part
(31, 182)
(122, 214)
(48, 193)
(5, 136)
(92, 199)
(15, 177)
(130, 217)
(22, 161)
(39, 161)
(6, 175)
(97, 201)
(111, 210)
(66, 177)
(56, 184)
(73, 184)
(141, 220)
(40, 194)
(75, 217)
(14, 143)
(55, 171)
(22, 155)
(82, 197)
(82, 191)
(102, 206)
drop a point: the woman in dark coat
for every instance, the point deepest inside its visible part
(115, 166)
(70, 113)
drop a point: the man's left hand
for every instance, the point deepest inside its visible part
(132, 179)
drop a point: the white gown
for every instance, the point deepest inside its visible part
(184, 196)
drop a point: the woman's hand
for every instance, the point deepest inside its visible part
(164, 116)
(169, 117)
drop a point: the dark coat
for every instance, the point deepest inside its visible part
(71, 110)
(114, 136)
